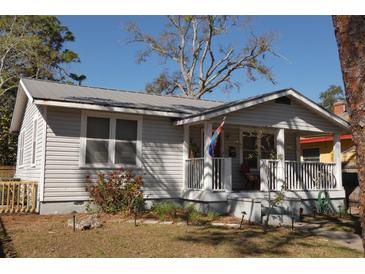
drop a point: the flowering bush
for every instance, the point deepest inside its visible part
(117, 191)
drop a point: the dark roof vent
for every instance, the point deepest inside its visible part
(283, 100)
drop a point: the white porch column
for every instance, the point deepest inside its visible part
(186, 152)
(208, 160)
(280, 151)
(337, 160)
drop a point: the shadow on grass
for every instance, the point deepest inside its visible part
(6, 246)
(350, 223)
(252, 241)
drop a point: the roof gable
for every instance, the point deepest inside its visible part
(254, 101)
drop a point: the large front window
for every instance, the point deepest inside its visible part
(111, 141)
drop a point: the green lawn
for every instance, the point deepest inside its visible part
(49, 236)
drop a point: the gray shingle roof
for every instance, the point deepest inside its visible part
(48, 90)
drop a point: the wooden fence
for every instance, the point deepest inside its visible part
(18, 196)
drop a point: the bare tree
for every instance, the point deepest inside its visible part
(350, 33)
(203, 65)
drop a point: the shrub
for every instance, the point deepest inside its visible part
(165, 210)
(117, 191)
(212, 215)
(193, 214)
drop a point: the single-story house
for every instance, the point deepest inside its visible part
(67, 132)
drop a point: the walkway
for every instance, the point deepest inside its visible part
(348, 239)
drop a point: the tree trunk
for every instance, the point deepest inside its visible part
(350, 34)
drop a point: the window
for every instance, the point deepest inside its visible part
(21, 148)
(110, 141)
(249, 149)
(311, 154)
(34, 141)
(125, 142)
(97, 143)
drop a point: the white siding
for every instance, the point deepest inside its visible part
(290, 146)
(162, 152)
(162, 169)
(195, 138)
(27, 171)
(271, 114)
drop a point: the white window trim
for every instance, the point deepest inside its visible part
(33, 152)
(111, 145)
(21, 146)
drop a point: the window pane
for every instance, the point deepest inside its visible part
(34, 145)
(249, 142)
(311, 154)
(125, 153)
(126, 130)
(250, 158)
(97, 128)
(96, 152)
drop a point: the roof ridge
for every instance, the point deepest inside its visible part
(120, 90)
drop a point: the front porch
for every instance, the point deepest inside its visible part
(253, 160)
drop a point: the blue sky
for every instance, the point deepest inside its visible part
(308, 42)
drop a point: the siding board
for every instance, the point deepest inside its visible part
(271, 114)
(27, 171)
(162, 169)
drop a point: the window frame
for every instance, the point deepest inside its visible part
(257, 131)
(111, 141)
(21, 148)
(34, 142)
(311, 158)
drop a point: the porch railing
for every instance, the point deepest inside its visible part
(298, 175)
(194, 173)
(268, 174)
(18, 196)
(221, 174)
(218, 173)
(309, 175)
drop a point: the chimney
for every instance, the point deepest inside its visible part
(339, 107)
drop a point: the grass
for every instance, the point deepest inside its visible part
(49, 236)
(345, 224)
